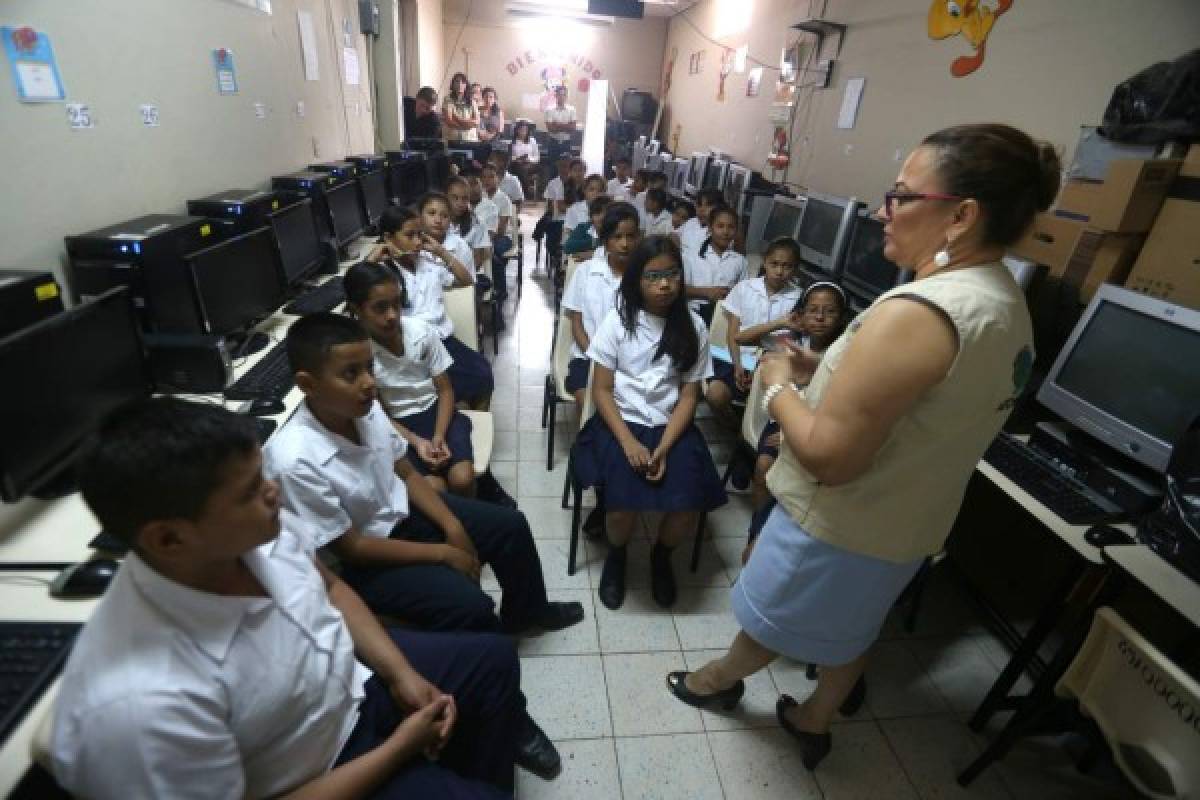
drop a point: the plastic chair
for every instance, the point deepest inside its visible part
(460, 307)
(1143, 704)
(718, 327)
(555, 390)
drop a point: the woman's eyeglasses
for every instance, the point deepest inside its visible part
(893, 199)
(657, 275)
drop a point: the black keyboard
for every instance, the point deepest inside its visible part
(326, 297)
(270, 377)
(31, 655)
(1049, 483)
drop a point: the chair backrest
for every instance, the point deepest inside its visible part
(589, 407)
(1147, 707)
(561, 356)
(460, 307)
(572, 264)
(718, 328)
(755, 418)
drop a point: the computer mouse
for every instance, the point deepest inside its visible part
(265, 407)
(85, 579)
(1106, 536)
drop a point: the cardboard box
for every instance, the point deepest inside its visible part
(1077, 255)
(1050, 241)
(1126, 201)
(1169, 264)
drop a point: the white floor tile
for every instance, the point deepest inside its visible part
(579, 639)
(638, 626)
(589, 773)
(638, 695)
(757, 709)
(762, 764)
(532, 447)
(791, 679)
(933, 750)
(897, 684)
(553, 553)
(547, 518)
(567, 696)
(861, 766)
(958, 668)
(676, 767)
(504, 446)
(537, 481)
(704, 620)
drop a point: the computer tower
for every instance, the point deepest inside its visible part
(313, 185)
(343, 170)
(25, 298)
(237, 211)
(146, 254)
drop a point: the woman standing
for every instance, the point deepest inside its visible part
(491, 117)
(459, 116)
(878, 450)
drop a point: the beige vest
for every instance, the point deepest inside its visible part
(902, 508)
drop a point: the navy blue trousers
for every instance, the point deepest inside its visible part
(435, 597)
(500, 246)
(482, 673)
(470, 374)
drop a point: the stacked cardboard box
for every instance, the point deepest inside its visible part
(1169, 264)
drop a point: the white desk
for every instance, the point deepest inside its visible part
(1167, 583)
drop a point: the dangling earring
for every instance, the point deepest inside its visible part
(941, 258)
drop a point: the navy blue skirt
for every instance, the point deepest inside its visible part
(577, 374)
(691, 482)
(765, 449)
(470, 374)
(458, 436)
(723, 372)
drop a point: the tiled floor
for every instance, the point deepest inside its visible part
(598, 688)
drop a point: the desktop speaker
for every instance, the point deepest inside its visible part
(188, 363)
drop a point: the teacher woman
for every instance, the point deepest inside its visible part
(879, 448)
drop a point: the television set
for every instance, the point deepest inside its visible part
(823, 231)
(638, 106)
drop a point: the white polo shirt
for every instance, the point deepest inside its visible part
(329, 484)
(620, 191)
(577, 214)
(659, 225)
(405, 383)
(425, 285)
(475, 238)
(528, 149)
(560, 115)
(511, 186)
(753, 305)
(504, 210)
(639, 202)
(713, 269)
(554, 191)
(174, 692)
(691, 235)
(646, 390)
(487, 214)
(593, 293)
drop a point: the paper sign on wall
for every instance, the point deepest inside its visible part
(34, 69)
(150, 116)
(850, 101)
(79, 117)
(350, 57)
(308, 45)
(226, 75)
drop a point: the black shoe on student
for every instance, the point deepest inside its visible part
(535, 751)
(593, 525)
(612, 579)
(489, 490)
(556, 616)
(662, 577)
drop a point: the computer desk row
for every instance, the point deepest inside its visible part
(58, 531)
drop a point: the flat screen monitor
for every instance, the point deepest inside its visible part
(783, 219)
(865, 270)
(668, 169)
(437, 171)
(237, 281)
(297, 240)
(822, 233)
(739, 177)
(1127, 374)
(374, 194)
(638, 161)
(77, 366)
(346, 211)
(408, 181)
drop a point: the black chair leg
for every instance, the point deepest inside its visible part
(576, 503)
(496, 314)
(810, 672)
(916, 592)
(547, 395)
(699, 539)
(550, 433)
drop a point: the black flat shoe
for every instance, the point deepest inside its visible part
(854, 700)
(556, 616)
(662, 577)
(726, 699)
(593, 525)
(612, 579)
(813, 746)
(536, 753)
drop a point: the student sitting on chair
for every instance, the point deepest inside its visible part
(593, 186)
(753, 309)
(681, 211)
(693, 232)
(658, 219)
(464, 223)
(637, 188)
(223, 660)
(510, 184)
(619, 186)
(642, 446)
(583, 241)
(501, 227)
(716, 267)
(654, 180)
(556, 195)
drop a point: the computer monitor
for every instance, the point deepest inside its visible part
(237, 281)
(866, 272)
(678, 181)
(668, 169)
(297, 241)
(1127, 374)
(374, 195)
(739, 178)
(346, 211)
(653, 146)
(717, 174)
(784, 218)
(823, 231)
(696, 171)
(76, 367)
(638, 159)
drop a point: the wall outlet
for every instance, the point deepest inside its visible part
(260, 110)
(299, 108)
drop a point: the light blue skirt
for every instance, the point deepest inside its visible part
(811, 601)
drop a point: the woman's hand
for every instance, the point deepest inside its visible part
(716, 293)
(796, 365)
(426, 451)
(638, 455)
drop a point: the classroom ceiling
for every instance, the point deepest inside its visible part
(494, 11)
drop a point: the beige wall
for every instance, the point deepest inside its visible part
(1050, 67)
(118, 54)
(628, 54)
(430, 53)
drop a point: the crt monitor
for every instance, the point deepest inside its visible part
(717, 174)
(652, 147)
(638, 106)
(865, 270)
(237, 281)
(374, 194)
(784, 219)
(97, 363)
(680, 175)
(739, 178)
(297, 240)
(822, 233)
(346, 211)
(696, 170)
(1128, 376)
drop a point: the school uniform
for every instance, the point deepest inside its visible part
(639, 202)
(659, 224)
(501, 243)
(620, 191)
(707, 267)
(174, 692)
(329, 485)
(692, 235)
(555, 191)
(577, 214)
(487, 215)
(580, 240)
(470, 374)
(407, 393)
(511, 185)
(593, 293)
(646, 391)
(753, 305)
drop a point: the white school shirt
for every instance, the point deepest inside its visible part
(504, 210)
(692, 235)
(646, 390)
(476, 237)
(593, 293)
(659, 225)
(618, 190)
(174, 692)
(425, 285)
(712, 269)
(328, 484)
(639, 202)
(405, 383)
(564, 114)
(577, 214)
(529, 149)
(554, 191)
(487, 214)
(753, 305)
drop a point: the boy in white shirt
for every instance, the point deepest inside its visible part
(619, 186)
(509, 184)
(658, 219)
(502, 231)
(166, 692)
